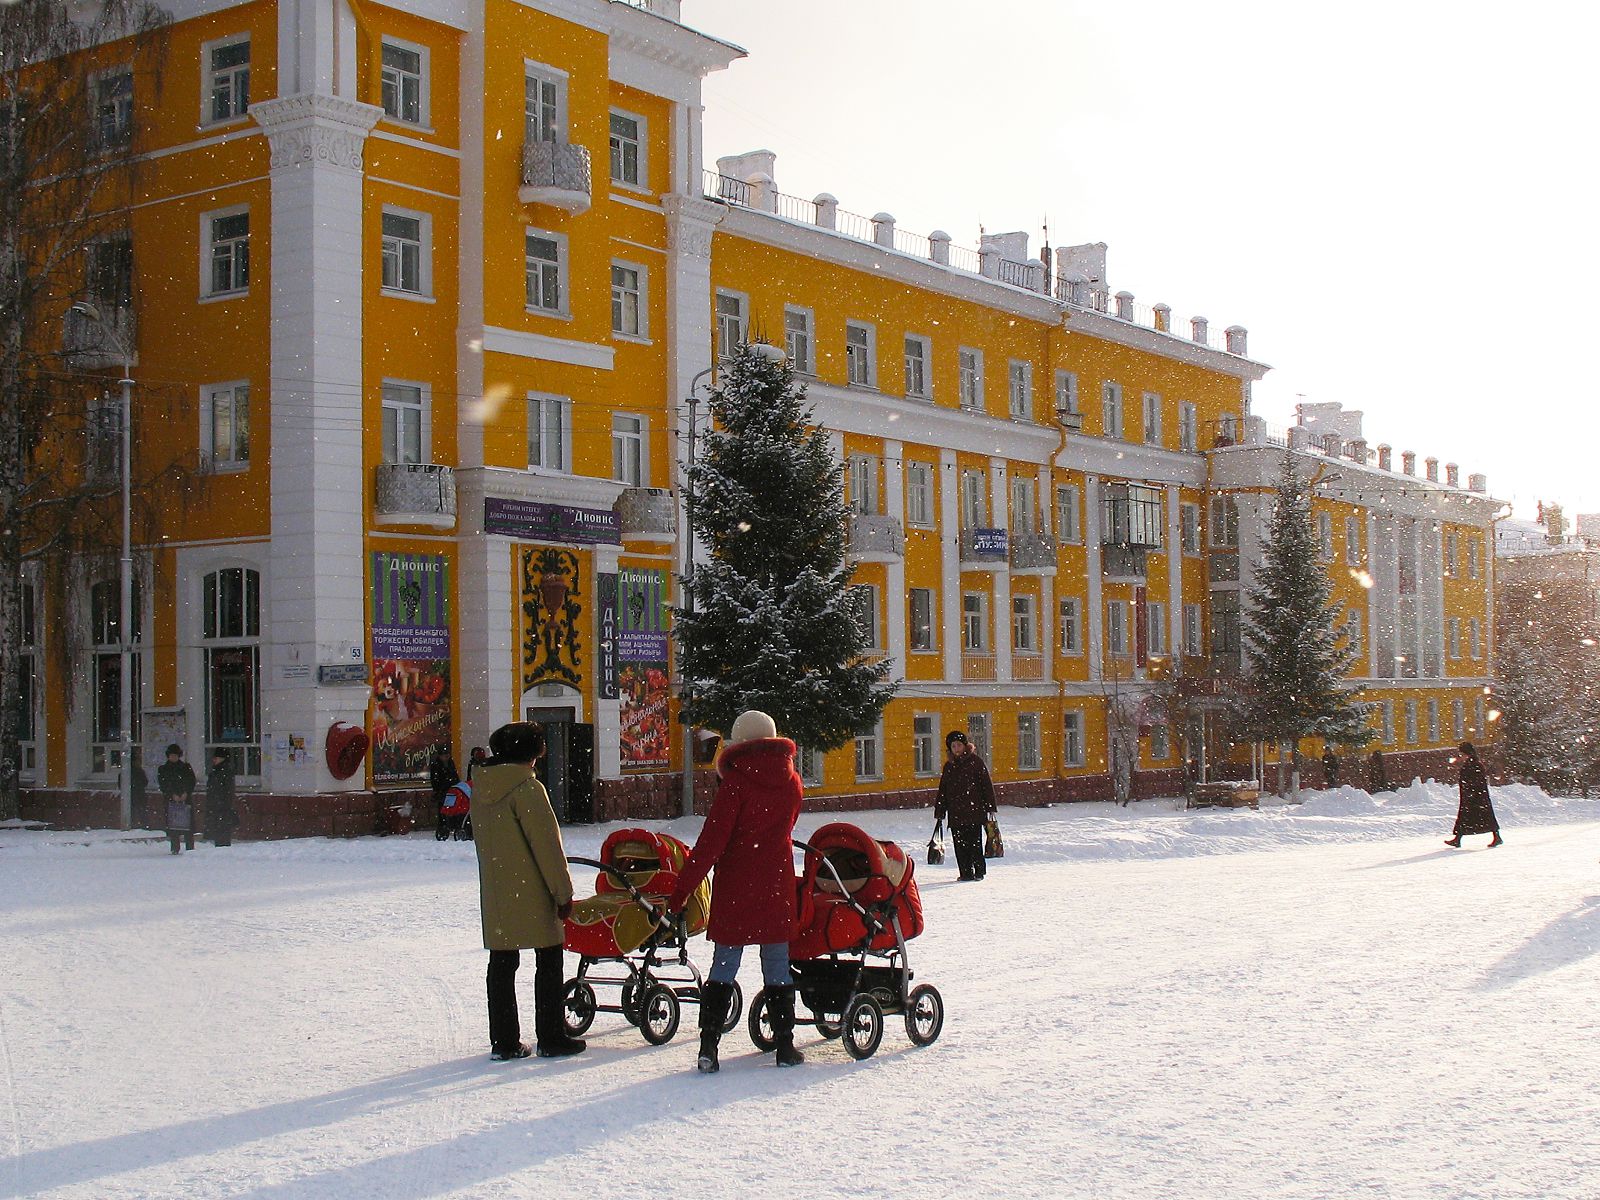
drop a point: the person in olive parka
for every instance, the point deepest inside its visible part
(966, 800)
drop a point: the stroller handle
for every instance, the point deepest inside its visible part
(662, 920)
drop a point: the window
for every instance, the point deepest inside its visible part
(1452, 637)
(403, 412)
(1071, 625)
(1117, 627)
(863, 477)
(1152, 419)
(917, 355)
(1411, 722)
(730, 323)
(860, 369)
(1352, 630)
(1130, 515)
(545, 271)
(970, 372)
(225, 426)
(864, 606)
(978, 734)
(1458, 719)
(799, 339)
(810, 766)
(1025, 624)
(1068, 527)
(627, 300)
(1475, 638)
(628, 463)
(1111, 409)
(1472, 557)
(925, 745)
(102, 426)
(105, 613)
(1155, 627)
(1066, 393)
(27, 670)
(1191, 630)
(1325, 536)
(544, 118)
(974, 501)
(1225, 631)
(1160, 743)
(231, 631)
(405, 82)
(1452, 553)
(1386, 713)
(1189, 528)
(975, 622)
(405, 253)
(1072, 739)
(108, 275)
(1227, 430)
(226, 270)
(1224, 521)
(1021, 390)
(225, 89)
(627, 149)
(869, 762)
(113, 108)
(549, 433)
(1433, 719)
(919, 494)
(1479, 726)
(1028, 741)
(1022, 506)
(1188, 427)
(922, 622)
(1352, 539)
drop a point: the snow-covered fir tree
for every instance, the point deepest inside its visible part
(773, 626)
(1298, 653)
(1547, 658)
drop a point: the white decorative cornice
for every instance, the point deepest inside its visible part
(545, 348)
(312, 129)
(690, 223)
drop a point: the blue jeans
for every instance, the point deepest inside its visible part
(774, 964)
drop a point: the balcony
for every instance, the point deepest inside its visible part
(875, 539)
(647, 515)
(557, 174)
(1123, 564)
(1033, 554)
(95, 344)
(416, 494)
(984, 550)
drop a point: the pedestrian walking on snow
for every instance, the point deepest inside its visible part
(525, 892)
(1476, 812)
(442, 776)
(966, 801)
(747, 837)
(221, 815)
(176, 780)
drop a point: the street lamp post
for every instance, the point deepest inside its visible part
(125, 579)
(693, 401)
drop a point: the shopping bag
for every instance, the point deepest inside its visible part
(179, 814)
(993, 845)
(936, 845)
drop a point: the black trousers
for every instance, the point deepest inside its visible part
(968, 842)
(505, 1024)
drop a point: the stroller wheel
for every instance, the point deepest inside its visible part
(924, 1015)
(829, 1029)
(658, 1016)
(632, 994)
(578, 1007)
(760, 1023)
(863, 1027)
(735, 1009)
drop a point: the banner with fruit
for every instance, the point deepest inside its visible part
(410, 664)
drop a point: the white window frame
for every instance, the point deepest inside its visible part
(1073, 751)
(1224, 526)
(918, 367)
(732, 329)
(1112, 417)
(1067, 393)
(978, 731)
(540, 401)
(1458, 718)
(1472, 556)
(1452, 638)
(920, 497)
(1452, 553)
(974, 500)
(1025, 623)
(800, 343)
(1155, 628)
(861, 470)
(969, 374)
(208, 412)
(811, 766)
(1023, 512)
(925, 745)
(208, 248)
(424, 291)
(1019, 389)
(1189, 528)
(975, 638)
(641, 143)
(563, 265)
(30, 657)
(1069, 621)
(1325, 536)
(1152, 418)
(869, 755)
(1069, 517)
(1433, 720)
(424, 407)
(1386, 718)
(861, 356)
(1160, 743)
(864, 597)
(1352, 539)
(1479, 717)
(125, 114)
(932, 622)
(209, 77)
(1029, 753)
(1475, 637)
(1188, 427)
(1353, 631)
(424, 83)
(1411, 722)
(638, 440)
(1119, 628)
(1193, 630)
(641, 299)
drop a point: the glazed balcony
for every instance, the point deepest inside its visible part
(647, 515)
(556, 174)
(416, 494)
(875, 538)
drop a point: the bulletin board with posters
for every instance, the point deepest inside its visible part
(410, 664)
(643, 684)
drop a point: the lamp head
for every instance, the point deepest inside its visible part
(84, 309)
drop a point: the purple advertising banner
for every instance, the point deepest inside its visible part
(410, 615)
(534, 521)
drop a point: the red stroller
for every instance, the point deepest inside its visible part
(858, 902)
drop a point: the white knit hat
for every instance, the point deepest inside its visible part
(751, 726)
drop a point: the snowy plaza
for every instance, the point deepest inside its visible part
(1318, 1000)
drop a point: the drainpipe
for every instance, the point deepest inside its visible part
(374, 82)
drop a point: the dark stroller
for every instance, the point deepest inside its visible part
(858, 907)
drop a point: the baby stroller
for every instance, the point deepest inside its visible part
(455, 813)
(858, 907)
(622, 931)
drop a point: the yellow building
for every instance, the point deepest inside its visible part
(435, 281)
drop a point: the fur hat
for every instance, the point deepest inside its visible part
(751, 726)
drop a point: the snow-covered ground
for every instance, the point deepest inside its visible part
(1311, 1001)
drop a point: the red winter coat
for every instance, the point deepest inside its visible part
(747, 838)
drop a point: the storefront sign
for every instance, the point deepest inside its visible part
(990, 543)
(606, 599)
(536, 522)
(410, 664)
(643, 681)
(334, 674)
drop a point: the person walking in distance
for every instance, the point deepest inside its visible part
(525, 892)
(1330, 768)
(221, 814)
(966, 800)
(1476, 811)
(176, 780)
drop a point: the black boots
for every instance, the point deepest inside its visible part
(1454, 842)
(1498, 840)
(780, 1009)
(714, 999)
(549, 1010)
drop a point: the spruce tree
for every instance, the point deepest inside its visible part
(773, 626)
(1297, 655)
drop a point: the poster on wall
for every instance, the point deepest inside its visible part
(642, 680)
(410, 664)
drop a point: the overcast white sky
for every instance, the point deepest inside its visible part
(1395, 198)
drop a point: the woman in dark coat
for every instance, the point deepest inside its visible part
(747, 838)
(442, 776)
(1476, 813)
(966, 800)
(177, 782)
(221, 816)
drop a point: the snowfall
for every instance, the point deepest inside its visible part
(1314, 1000)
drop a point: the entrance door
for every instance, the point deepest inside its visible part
(567, 768)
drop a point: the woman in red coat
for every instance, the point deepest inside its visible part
(747, 838)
